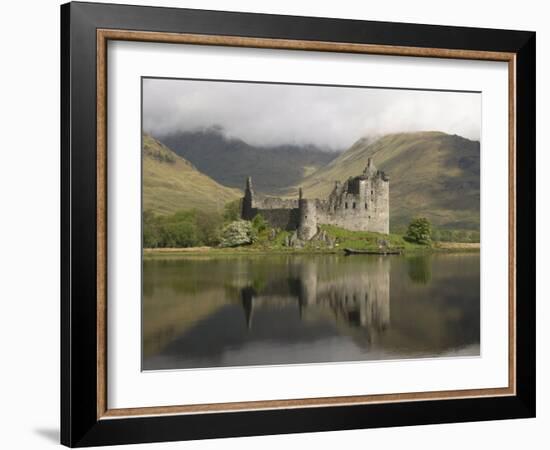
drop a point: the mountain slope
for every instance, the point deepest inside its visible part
(170, 183)
(230, 161)
(431, 174)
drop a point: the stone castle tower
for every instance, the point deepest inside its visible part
(361, 203)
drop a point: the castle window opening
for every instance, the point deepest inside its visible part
(353, 205)
(366, 205)
(346, 205)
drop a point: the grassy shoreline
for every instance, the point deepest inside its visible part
(439, 247)
(329, 240)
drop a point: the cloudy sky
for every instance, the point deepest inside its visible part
(329, 117)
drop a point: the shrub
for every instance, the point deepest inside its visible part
(239, 232)
(420, 231)
(259, 223)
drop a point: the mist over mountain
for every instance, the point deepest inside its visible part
(334, 117)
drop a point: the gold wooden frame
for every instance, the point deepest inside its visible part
(104, 35)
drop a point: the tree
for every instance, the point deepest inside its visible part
(151, 230)
(208, 225)
(180, 234)
(232, 211)
(420, 231)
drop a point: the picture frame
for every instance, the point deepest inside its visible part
(86, 418)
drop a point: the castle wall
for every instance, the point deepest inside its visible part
(285, 219)
(278, 212)
(275, 203)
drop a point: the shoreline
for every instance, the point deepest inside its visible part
(440, 247)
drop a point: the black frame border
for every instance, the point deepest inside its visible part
(79, 423)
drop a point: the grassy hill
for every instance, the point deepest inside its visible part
(229, 161)
(431, 174)
(170, 183)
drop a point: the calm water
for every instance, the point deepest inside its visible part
(253, 310)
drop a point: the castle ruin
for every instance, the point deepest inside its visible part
(361, 203)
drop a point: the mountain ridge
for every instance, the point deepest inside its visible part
(432, 173)
(230, 161)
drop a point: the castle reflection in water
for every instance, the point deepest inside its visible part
(358, 299)
(201, 311)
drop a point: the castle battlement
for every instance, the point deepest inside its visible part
(360, 203)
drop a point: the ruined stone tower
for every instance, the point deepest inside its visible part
(361, 203)
(307, 224)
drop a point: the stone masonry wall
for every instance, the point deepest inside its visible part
(368, 210)
(285, 219)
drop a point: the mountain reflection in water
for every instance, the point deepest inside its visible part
(201, 311)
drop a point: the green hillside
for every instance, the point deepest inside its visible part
(431, 174)
(170, 183)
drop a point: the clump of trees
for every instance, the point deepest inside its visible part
(419, 231)
(182, 229)
(193, 228)
(445, 235)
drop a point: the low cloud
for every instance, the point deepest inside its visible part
(329, 117)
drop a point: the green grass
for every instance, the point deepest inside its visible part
(366, 240)
(360, 240)
(171, 184)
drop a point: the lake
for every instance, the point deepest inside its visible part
(220, 311)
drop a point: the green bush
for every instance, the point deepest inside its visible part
(259, 223)
(420, 231)
(239, 232)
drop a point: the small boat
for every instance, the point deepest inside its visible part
(387, 251)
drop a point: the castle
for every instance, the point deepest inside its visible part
(361, 203)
